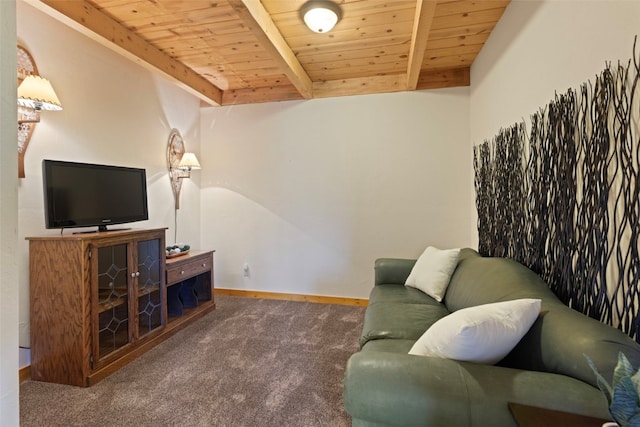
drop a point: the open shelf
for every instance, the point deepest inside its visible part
(189, 285)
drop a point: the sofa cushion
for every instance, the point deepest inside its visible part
(478, 280)
(433, 270)
(558, 339)
(399, 294)
(399, 320)
(481, 334)
(389, 346)
(561, 337)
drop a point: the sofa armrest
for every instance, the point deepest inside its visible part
(392, 389)
(383, 388)
(391, 271)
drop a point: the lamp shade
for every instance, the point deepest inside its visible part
(320, 15)
(188, 162)
(36, 92)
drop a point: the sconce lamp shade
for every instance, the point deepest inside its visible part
(188, 162)
(320, 15)
(36, 92)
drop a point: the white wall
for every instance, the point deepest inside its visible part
(310, 193)
(540, 48)
(115, 112)
(9, 399)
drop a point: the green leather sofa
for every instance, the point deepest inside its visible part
(385, 386)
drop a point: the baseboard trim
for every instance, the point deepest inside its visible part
(293, 297)
(24, 373)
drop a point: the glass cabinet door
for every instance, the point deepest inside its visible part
(148, 289)
(113, 298)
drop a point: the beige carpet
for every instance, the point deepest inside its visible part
(251, 362)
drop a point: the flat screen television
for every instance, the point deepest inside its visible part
(88, 195)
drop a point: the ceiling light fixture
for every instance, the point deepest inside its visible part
(320, 15)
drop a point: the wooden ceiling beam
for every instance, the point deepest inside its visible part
(425, 10)
(86, 18)
(450, 77)
(434, 79)
(360, 86)
(259, 22)
(263, 94)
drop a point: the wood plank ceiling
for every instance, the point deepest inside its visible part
(248, 51)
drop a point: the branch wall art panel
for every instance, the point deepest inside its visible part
(564, 199)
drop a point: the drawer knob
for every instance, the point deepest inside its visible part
(204, 264)
(181, 271)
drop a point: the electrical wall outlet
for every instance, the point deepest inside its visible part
(245, 269)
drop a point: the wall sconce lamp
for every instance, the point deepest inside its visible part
(180, 163)
(320, 15)
(188, 162)
(35, 94)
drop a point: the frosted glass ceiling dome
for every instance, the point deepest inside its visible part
(320, 15)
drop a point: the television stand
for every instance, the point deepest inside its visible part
(98, 301)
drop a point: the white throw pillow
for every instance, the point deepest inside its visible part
(481, 334)
(433, 270)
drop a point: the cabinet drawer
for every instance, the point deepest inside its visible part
(181, 271)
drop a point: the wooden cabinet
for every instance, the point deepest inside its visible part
(99, 300)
